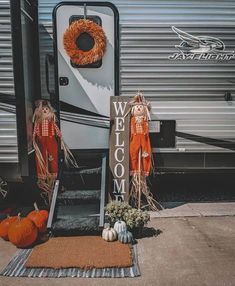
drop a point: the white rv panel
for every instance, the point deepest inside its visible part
(191, 92)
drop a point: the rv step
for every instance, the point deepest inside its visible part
(83, 171)
(89, 179)
(78, 211)
(78, 196)
(74, 226)
(80, 207)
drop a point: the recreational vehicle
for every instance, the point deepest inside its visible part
(179, 54)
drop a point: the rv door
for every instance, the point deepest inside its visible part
(84, 90)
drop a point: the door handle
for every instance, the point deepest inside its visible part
(49, 60)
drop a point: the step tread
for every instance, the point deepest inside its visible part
(88, 171)
(76, 224)
(77, 211)
(82, 195)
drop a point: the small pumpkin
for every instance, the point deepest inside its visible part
(4, 226)
(109, 234)
(39, 217)
(23, 232)
(125, 237)
(120, 226)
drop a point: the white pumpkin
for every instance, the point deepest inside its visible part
(120, 226)
(109, 234)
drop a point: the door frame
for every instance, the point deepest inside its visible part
(56, 100)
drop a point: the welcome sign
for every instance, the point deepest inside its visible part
(119, 148)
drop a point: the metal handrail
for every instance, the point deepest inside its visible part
(54, 196)
(103, 189)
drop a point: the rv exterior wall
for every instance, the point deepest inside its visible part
(8, 134)
(192, 91)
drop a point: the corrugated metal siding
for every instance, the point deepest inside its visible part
(6, 64)
(145, 64)
(8, 129)
(8, 135)
(190, 92)
(211, 119)
(147, 40)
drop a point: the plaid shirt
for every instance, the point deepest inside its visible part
(46, 128)
(139, 125)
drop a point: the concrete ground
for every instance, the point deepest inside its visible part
(188, 251)
(181, 209)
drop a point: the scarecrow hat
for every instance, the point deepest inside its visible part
(42, 102)
(139, 99)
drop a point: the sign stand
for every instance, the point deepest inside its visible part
(139, 170)
(119, 148)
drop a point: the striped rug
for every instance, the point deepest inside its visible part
(16, 268)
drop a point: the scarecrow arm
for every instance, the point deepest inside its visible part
(57, 130)
(35, 130)
(146, 128)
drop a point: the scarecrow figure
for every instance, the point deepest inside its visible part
(46, 137)
(140, 151)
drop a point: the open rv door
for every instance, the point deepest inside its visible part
(84, 91)
(24, 21)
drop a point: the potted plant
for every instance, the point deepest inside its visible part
(135, 219)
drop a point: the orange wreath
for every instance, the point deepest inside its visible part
(77, 55)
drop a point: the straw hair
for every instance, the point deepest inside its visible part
(37, 116)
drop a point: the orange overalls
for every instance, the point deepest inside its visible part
(140, 141)
(45, 135)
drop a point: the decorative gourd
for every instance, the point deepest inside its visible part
(4, 226)
(109, 234)
(125, 237)
(120, 226)
(39, 217)
(23, 232)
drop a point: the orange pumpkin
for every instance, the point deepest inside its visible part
(23, 232)
(4, 226)
(39, 217)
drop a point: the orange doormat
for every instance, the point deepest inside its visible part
(80, 252)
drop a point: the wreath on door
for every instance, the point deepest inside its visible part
(74, 31)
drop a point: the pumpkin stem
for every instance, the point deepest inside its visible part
(107, 225)
(36, 206)
(19, 216)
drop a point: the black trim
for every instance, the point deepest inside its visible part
(19, 76)
(49, 60)
(6, 98)
(10, 172)
(207, 140)
(55, 99)
(190, 162)
(166, 137)
(77, 110)
(19, 83)
(86, 124)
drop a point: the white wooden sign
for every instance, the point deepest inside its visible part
(119, 148)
